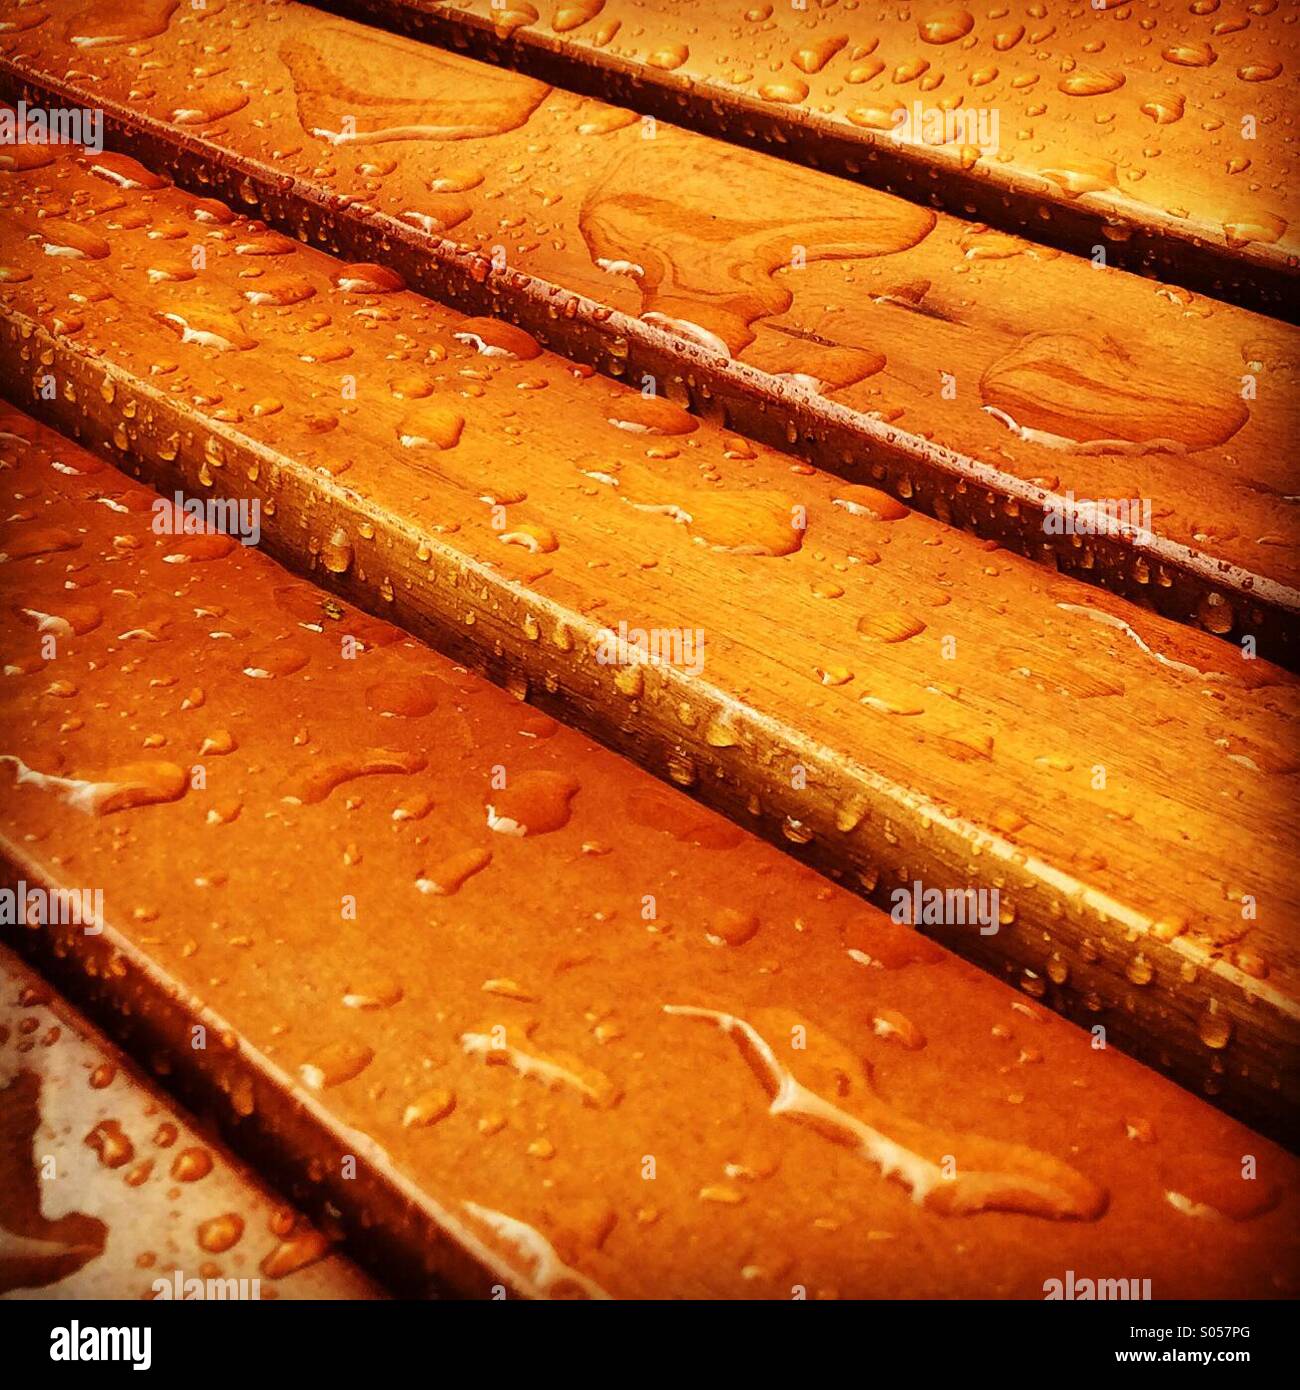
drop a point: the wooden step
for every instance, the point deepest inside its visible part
(108, 1191)
(987, 381)
(1160, 135)
(499, 996)
(891, 698)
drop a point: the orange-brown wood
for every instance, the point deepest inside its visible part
(892, 698)
(544, 1004)
(108, 1190)
(1160, 133)
(986, 380)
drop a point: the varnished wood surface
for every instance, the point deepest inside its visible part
(1161, 132)
(888, 696)
(551, 1057)
(890, 344)
(142, 1196)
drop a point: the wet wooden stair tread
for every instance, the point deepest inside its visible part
(960, 368)
(895, 699)
(489, 964)
(1154, 133)
(155, 1199)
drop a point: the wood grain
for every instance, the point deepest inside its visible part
(986, 380)
(887, 696)
(511, 1034)
(1162, 134)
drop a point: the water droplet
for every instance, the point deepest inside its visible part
(335, 1064)
(111, 1144)
(1214, 1026)
(221, 1233)
(532, 803)
(191, 1165)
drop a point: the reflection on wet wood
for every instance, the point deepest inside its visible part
(107, 1191)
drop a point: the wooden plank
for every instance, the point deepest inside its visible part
(890, 697)
(1160, 134)
(522, 1039)
(955, 367)
(109, 1191)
